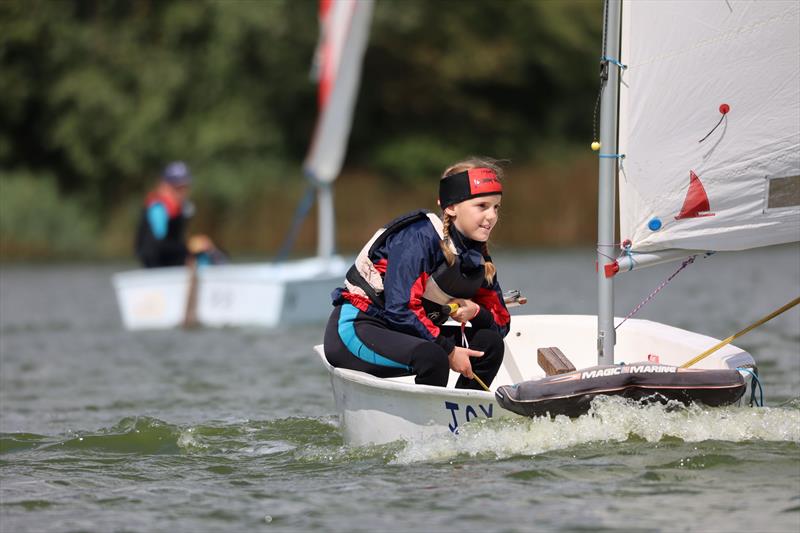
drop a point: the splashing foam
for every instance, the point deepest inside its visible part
(610, 419)
(187, 441)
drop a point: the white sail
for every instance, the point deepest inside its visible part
(692, 65)
(345, 29)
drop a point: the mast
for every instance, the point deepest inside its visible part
(606, 251)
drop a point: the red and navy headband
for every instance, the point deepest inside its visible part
(468, 184)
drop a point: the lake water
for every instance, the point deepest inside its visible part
(235, 430)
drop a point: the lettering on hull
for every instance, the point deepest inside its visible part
(470, 413)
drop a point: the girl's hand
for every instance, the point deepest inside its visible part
(459, 360)
(467, 310)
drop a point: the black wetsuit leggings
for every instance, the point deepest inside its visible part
(358, 341)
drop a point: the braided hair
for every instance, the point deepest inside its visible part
(461, 166)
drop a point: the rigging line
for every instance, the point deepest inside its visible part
(603, 71)
(300, 214)
(603, 80)
(738, 334)
(465, 344)
(596, 106)
(604, 61)
(626, 251)
(605, 25)
(615, 61)
(753, 383)
(629, 255)
(652, 295)
(610, 258)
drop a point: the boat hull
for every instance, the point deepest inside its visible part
(374, 410)
(249, 295)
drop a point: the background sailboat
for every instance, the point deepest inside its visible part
(282, 292)
(680, 62)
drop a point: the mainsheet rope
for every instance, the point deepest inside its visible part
(466, 345)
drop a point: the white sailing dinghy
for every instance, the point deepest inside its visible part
(685, 185)
(281, 292)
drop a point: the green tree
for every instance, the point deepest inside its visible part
(99, 94)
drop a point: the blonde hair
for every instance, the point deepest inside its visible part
(461, 166)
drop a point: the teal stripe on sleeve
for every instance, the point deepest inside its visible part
(158, 219)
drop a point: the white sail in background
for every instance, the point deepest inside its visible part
(690, 66)
(345, 28)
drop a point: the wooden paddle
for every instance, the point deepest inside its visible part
(190, 316)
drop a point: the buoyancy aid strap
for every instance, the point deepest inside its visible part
(450, 281)
(356, 284)
(399, 223)
(438, 225)
(363, 278)
(434, 293)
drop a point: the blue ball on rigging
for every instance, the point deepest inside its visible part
(654, 224)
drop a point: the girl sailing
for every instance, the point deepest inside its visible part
(388, 319)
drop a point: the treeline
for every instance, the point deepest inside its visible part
(99, 94)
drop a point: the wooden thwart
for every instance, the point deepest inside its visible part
(553, 361)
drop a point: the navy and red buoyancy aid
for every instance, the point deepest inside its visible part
(402, 276)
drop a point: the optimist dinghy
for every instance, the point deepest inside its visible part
(245, 295)
(702, 135)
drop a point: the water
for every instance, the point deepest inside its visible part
(107, 430)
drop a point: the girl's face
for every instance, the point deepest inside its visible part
(475, 218)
